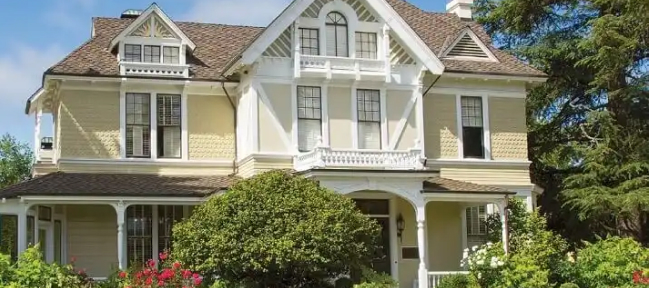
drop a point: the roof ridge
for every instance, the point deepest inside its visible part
(184, 22)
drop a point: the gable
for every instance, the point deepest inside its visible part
(154, 27)
(362, 12)
(281, 47)
(398, 54)
(468, 45)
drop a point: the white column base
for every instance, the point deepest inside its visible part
(423, 276)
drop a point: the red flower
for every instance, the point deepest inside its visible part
(151, 263)
(148, 281)
(197, 280)
(163, 256)
(138, 275)
(166, 274)
(176, 265)
(636, 276)
(122, 274)
(196, 275)
(161, 283)
(147, 272)
(187, 274)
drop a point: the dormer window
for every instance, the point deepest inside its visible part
(336, 26)
(170, 55)
(151, 54)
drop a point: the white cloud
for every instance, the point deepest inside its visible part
(241, 12)
(21, 70)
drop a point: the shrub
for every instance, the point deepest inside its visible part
(568, 285)
(485, 263)
(612, 262)
(276, 230)
(166, 273)
(372, 279)
(458, 281)
(30, 271)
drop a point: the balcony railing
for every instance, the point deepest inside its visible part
(435, 277)
(326, 157)
(154, 69)
(340, 64)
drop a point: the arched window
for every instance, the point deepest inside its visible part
(336, 26)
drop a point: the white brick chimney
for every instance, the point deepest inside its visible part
(460, 7)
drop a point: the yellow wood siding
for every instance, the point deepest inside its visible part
(340, 118)
(92, 238)
(89, 124)
(440, 126)
(210, 125)
(251, 166)
(489, 176)
(508, 128)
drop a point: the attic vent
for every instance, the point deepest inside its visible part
(130, 14)
(466, 47)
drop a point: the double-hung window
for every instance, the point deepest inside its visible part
(336, 32)
(132, 53)
(366, 45)
(309, 42)
(151, 54)
(168, 129)
(309, 115)
(369, 118)
(140, 222)
(171, 55)
(476, 226)
(472, 127)
(138, 127)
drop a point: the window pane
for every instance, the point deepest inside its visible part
(309, 42)
(169, 136)
(373, 206)
(30, 231)
(138, 128)
(366, 45)
(309, 117)
(472, 111)
(167, 217)
(369, 119)
(139, 234)
(152, 54)
(58, 256)
(171, 55)
(336, 33)
(132, 53)
(473, 142)
(9, 235)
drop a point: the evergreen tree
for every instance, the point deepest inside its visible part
(15, 161)
(589, 124)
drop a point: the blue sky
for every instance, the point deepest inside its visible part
(36, 34)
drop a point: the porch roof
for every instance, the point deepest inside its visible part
(439, 184)
(91, 184)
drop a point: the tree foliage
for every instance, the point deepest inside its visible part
(276, 230)
(588, 130)
(15, 161)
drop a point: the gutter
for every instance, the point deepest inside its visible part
(235, 168)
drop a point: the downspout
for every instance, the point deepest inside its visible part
(235, 169)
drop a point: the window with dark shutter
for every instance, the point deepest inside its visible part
(472, 127)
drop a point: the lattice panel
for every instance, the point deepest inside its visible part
(281, 47)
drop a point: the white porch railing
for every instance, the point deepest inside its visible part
(435, 277)
(154, 69)
(327, 64)
(326, 157)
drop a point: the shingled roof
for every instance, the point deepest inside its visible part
(217, 45)
(440, 185)
(89, 184)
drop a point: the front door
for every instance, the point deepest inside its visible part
(379, 211)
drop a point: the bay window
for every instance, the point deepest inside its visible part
(369, 119)
(309, 117)
(472, 127)
(147, 225)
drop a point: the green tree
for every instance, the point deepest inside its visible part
(15, 161)
(276, 230)
(588, 129)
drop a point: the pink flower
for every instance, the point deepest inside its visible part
(151, 263)
(196, 275)
(122, 274)
(161, 283)
(176, 265)
(197, 281)
(163, 256)
(187, 274)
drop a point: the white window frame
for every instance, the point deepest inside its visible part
(468, 225)
(184, 136)
(383, 116)
(485, 124)
(320, 90)
(162, 43)
(155, 233)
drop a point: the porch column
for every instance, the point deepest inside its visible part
(120, 209)
(421, 245)
(22, 228)
(502, 210)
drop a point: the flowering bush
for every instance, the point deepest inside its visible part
(485, 262)
(166, 273)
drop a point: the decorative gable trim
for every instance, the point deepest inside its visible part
(469, 47)
(159, 25)
(383, 10)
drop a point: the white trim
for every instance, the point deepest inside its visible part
(254, 111)
(478, 162)
(395, 245)
(352, 24)
(153, 140)
(184, 134)
(463, 197)
(122, 124)
(294, 132)
(419, 119)
(140, 19)
(155, 233)
(530, 79)
(401, 126)
(420, 50)
(269, 108)
(324, 100)
(483, 47)
(458, 120)
(384, 119)
(147, 162)
(485, 127)
(464, 228)
(354, 121)
(138, 80)
(35, 200)
(478, 92)
(335, 83)
(266, 156)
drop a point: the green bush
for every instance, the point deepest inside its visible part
(372, 279)
(276, 230)
(609, 263)
(458, 281)
(568, 285)
(30, 271)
